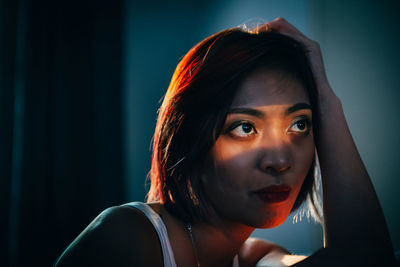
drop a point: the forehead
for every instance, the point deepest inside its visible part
(268, 87)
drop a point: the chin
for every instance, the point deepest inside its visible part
(272, 222)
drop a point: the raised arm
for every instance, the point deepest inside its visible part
(354, 224)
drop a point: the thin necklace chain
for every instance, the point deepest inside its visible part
(190, 231)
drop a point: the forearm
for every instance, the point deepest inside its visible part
(353, 217)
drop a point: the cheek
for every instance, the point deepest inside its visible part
(230, 157)
(304, 156)
(225, 151)
(230, 163)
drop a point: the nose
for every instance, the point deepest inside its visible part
(275, 159)
(275, 162)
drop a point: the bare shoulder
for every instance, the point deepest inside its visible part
(119, 236)
(254, 249)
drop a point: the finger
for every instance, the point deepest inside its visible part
(264, 28)
(279, 24)
(275, 25)
(282, 25)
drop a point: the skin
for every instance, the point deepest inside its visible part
(355, 232)
(259, 150)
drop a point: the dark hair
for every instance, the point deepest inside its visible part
(195, 107)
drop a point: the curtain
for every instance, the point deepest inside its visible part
(60, 118)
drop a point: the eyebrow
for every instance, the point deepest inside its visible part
(259, 114)
(297, 107)
(248, 111)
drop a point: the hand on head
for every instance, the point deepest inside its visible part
(312, 48)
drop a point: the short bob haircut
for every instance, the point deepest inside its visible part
(195, 107)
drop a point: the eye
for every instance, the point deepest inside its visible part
(300, 126)
(242, 129)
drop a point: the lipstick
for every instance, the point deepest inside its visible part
(274, 193)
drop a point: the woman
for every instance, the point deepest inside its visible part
(234, 150)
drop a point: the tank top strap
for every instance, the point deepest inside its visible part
(155, 219)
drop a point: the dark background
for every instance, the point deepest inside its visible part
(80, 85)
(61, 137)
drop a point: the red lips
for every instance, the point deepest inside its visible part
(274, 193)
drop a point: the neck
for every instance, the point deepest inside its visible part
(216, 246)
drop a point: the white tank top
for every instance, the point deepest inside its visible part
(155, 219)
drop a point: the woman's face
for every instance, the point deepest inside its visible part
(261, 158)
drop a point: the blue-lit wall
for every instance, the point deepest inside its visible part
(359, 41)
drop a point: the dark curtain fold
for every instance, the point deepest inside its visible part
(61, 121)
